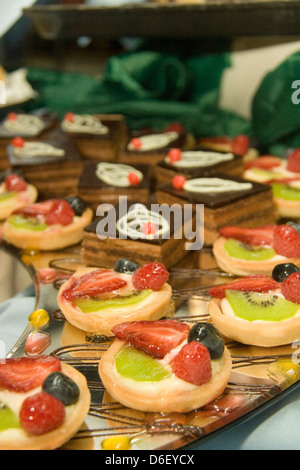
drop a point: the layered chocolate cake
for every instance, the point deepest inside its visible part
(96, 137)
(148, 232)
(105, 182)
(52, 166)
(226, 201)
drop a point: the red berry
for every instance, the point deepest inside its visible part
(149, 228)
(150, 276)
(12, 116)
(60, 213)
(133, 179)
(41, 413)
(254, 283)
(136, 143)
(156, 338)
(15, 183)
(18, 142)
(69, 117)
(265, 162)
(290, 288)
(251, 236)
(193, 364)
(174, 155)
(178, 181)
(293, 163)
(286, 241)
(23, 374)
(240, 144)
(175, 127)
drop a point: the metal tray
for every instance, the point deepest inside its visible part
(260, 376)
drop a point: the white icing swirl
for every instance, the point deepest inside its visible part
(200, 158)
(214, 185)
(154, 141)
(117, 174)
(131, 225)
(24, 124)
(84, 123)
(38, 149)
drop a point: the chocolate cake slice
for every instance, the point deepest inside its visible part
(226, 201)
(142, 232)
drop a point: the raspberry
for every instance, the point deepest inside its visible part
(286, 241)
(14, 182)
(291, 288)
(192, 363)
(178, 181)
(174, 155)
(41, 413)
(293, 163)
(150, 276)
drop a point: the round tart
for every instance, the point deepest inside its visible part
(243, 251)
(256, 310)
(15, 193)
(158, 367)
(46, 226)
(38, 410)
(95, 300)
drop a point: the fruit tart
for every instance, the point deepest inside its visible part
(165, 366)
(48, 225)
(259, 310)
(43, 403)
(15, 193)
(283, 175)
(95, 300)
(243, 251)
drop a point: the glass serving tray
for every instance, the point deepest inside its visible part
(259, 375)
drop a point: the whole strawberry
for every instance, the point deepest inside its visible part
(293, 163)
(286, 241)
(291, 288)
(192, 363)
(150, 276)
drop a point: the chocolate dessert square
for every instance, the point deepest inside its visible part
(226, 201)
(141, 232)
(98, 136)
(53, 167)
(197, 162)
(105, 182)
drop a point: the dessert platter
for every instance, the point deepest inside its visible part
(136, 342)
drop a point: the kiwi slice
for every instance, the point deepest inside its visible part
(283, 191)
(139, 366)
(19, 222)
(253, 306)
(8, 419)
(93, 305)
(240, 250)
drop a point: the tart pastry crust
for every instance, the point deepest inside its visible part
(29, 196)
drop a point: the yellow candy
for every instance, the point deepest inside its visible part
(38, 318)
(116, 443)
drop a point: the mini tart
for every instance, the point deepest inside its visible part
(19, 200)
(153, 307)
(18, 439)
(54, 237)
(262, 333)
(166, 396)
(287, 208)
(242, 267)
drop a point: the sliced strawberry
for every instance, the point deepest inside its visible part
(252, 236)
(156, 338)
(287, 241)
(14, 182)
(95, 284)
(293, 163)
(254, 283)
(240, 144)
(37, 209)
(60, 213)
(23, 374)
(192, 364)
(266, 162)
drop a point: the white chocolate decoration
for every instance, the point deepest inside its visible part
(200, 158)
(154, 141)
(131, 224)
(214, 185)
(38, 149)
(117, 174)
(24, 124)
(85, 123)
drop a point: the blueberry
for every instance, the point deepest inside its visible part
(77, 204)
(282, 271)
(295, 225)
(61, 387)
(124, 265)
(206, 334)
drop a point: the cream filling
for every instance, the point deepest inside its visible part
(131, 224)
(169, 383)
(154, 141)
(25, 124)
(117, 174)
(196, 159)
(214, 185)
(86, 124)
(38, 149)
